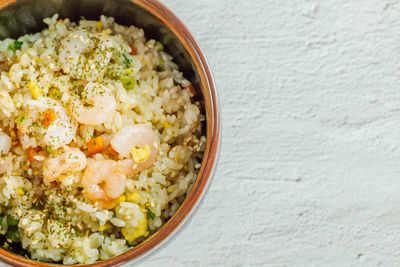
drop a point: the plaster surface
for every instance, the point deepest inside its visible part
(309, 173)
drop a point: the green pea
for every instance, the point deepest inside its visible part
(128, 82)
(160, 46)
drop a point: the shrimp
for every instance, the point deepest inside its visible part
(65, 164)
(60, 132)
(139, 145)
(97, 107)
(103, 183)
(85, 56)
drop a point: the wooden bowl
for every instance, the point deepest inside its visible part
(18, 17)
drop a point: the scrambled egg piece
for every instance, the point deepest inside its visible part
(133, 197)
(140, 155)
(140, 230)
(115, 203)
(35, 90)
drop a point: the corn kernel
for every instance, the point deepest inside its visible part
(130, 71)
(35, 90)
(99, 25)
(104, 227)
(20, 191)
(166, 124)
(13, 135)
(107, 31)
(140, 155)
(133, 197)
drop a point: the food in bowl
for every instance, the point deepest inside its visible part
(101, 139)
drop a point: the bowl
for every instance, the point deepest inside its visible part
(18, 17)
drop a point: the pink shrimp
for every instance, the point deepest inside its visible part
(66, 163)
(103, 183)
(138, 147)
(101, 105)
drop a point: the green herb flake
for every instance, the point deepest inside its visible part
(11, 47)
(11, 234)
(18, 45)
(126, 61)
(15, 46)
(79, 188)
(161, 64)
(11, 221)
(151, 214)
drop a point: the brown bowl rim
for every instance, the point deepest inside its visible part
(210, 155)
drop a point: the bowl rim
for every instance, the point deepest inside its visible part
(193, 199)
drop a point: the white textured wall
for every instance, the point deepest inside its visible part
(309, 173)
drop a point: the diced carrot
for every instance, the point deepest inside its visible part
(192, 91)
(32, 152)
(96, 145)
(134, 50)
(49, 117)
(112, 151)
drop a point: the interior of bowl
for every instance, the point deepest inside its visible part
(26, 16)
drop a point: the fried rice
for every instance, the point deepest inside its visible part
(100, 140)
